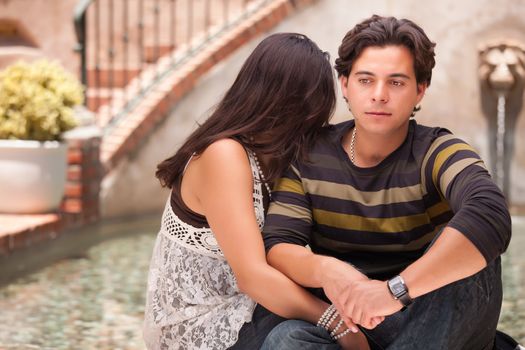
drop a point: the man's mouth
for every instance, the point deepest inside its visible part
(378, 113)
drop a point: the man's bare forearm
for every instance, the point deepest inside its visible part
(451, 258)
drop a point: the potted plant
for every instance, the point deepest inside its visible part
(36, 108)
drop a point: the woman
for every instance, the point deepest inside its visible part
(208, 268)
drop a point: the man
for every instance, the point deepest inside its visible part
(404, 222)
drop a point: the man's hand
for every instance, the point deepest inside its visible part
(336, 279)
(369, 301)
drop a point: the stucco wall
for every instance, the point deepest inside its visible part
(131, 188)
(49, 23)
(458, 28)
(452, 101)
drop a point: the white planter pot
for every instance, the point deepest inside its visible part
(32, 176)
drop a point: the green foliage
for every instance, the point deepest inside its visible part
(37, 100)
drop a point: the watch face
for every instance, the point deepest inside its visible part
(397, 286)
(398, 289)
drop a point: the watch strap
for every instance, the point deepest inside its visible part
(405, 299)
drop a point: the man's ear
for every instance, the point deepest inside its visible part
(343, 81)
(421, 88)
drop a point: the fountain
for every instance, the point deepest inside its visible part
(502, 81)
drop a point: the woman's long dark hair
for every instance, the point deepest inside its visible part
(281, 98)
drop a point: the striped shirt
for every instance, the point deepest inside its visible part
(383, 218)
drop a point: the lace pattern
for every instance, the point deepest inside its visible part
(193, 301)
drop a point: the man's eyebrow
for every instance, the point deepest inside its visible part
(394, 75)
(400, 75)
(363, 72)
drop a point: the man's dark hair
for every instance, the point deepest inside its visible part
(385, 31)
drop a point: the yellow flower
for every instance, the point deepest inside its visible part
(36, 101)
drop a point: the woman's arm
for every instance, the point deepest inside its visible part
(222, 183)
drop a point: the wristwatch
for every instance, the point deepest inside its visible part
(399, 290)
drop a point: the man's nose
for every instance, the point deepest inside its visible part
(380, 93)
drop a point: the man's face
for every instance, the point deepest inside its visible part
(382, 90)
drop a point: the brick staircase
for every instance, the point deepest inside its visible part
(91, 156)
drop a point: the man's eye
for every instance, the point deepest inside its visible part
(397, 83)
(364, 81)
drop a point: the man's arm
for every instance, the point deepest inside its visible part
(318, 271)
(477, 234)
(452, 257)
(287, 230)
(286, 233)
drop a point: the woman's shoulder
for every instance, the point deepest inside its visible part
(224, 149)
(224, 155)
(226, 145)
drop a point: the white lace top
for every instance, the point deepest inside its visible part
(193, 301)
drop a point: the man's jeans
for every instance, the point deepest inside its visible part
(462, 315)
(252, 334)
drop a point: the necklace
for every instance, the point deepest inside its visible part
(352, 146)
(263, 179)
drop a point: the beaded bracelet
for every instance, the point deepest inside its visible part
(342, 334)
(327, 317)
(332, 319)
(334, 331)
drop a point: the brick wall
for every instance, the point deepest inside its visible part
(84, 174)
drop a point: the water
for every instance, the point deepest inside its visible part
(96, 299)
(500, 144)
(512, 317)
(93, 301)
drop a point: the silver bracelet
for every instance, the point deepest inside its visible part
(342, 334)
(334, 331)
(332, 319)
(326, 317)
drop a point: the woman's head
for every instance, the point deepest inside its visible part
(282, 96)
(285, 85)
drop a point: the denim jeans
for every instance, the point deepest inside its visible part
(462, 315)
(252, 334)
